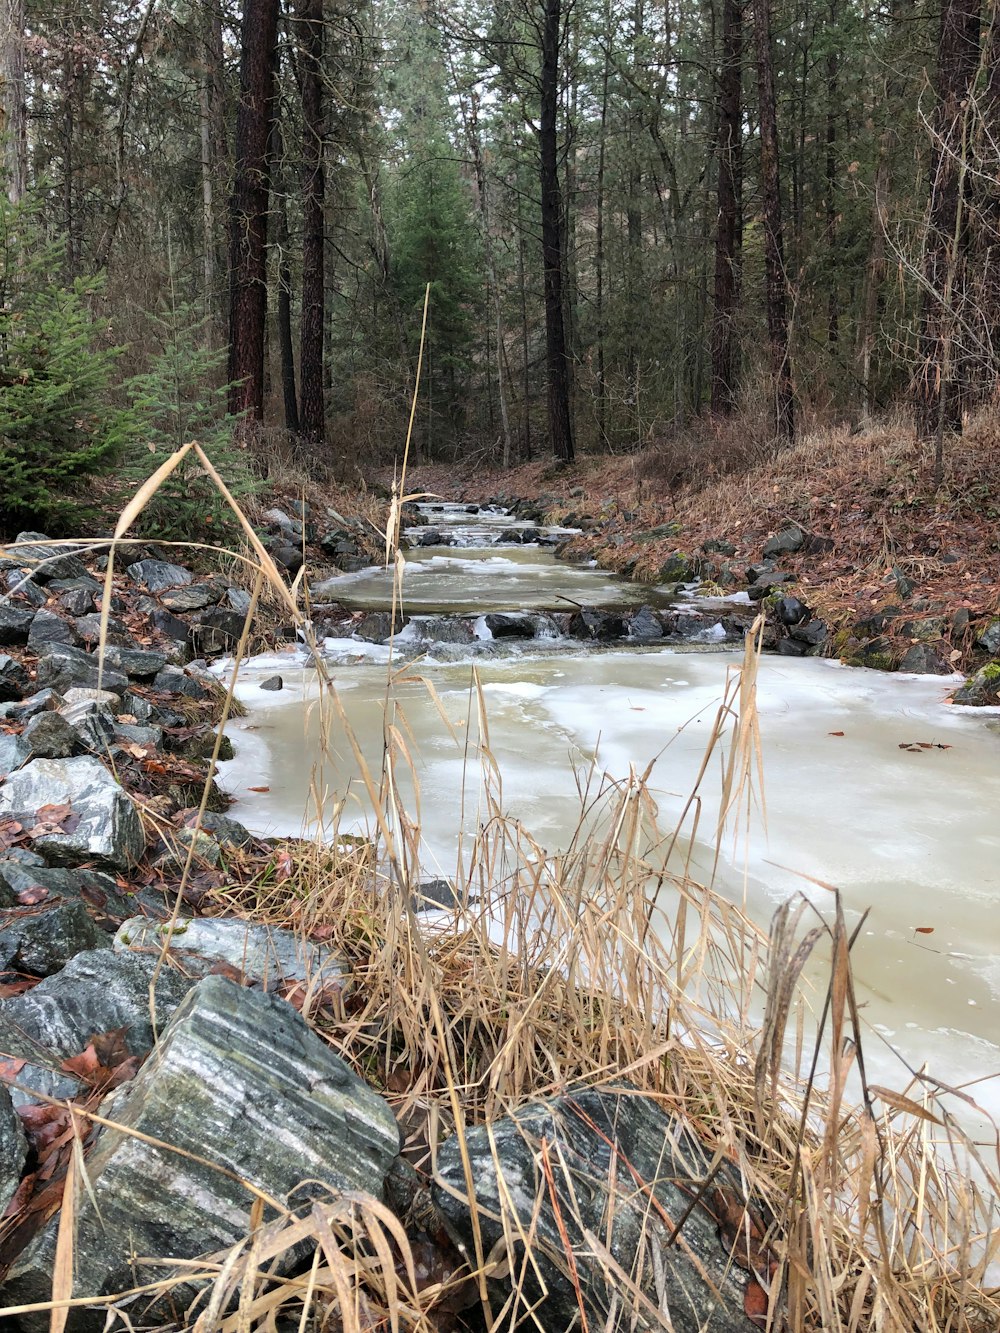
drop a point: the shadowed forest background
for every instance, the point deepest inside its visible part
(700, 227)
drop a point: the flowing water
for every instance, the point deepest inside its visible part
(908, 834)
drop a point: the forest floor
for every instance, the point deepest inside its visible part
(897, 544)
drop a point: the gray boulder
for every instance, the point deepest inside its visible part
(14, 679)
(596, 626)
(442, 629)
(193, 597)
(981, 689)
(13, 1149)
(15, 624)
(158, 575)
(50, 736)
(137, 663)
(104, 825)
(62, 667)
(924, 660)
(26, 878)
(14, 751)
(511, 624)
(40, 942)
(237, 1080)
(989, 639)
(645, 625)
(77, 601)
(48, 560)
(787, 541)
(626, 1175)
(812, 632)
(97, 991)
(47, 627)
(262, 954)
(378, 626)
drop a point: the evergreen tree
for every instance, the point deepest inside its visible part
(57, 421)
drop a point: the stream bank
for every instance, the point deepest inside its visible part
(903, 578)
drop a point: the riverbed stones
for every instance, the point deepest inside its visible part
(790, 611)
(137, 663)
(645, 625)
(272, 684)
(596, 626)
(379, 626)
(239, 1080)
(101, 825)
(989, 639)
(612, 1152)
(14, 752)
(268, 956)
(24, 881)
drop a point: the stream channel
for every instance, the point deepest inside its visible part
(909, 833)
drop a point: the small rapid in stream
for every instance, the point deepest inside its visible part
(871, 782)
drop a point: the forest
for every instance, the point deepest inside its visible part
(632, 220)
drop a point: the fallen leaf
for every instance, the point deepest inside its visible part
(34, 893)
(10, 1068)
(924, 930)
(258, 788)
(835, 733)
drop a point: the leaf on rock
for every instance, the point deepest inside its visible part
(32, 895)
(10, 1068)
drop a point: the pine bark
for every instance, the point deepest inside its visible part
(553, 258)
(312, 406)
(774, 258)
(728, 229)
(248, 211)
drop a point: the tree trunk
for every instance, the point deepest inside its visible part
(312, 407)
(774, 260)
(560, 423)
(727, 233)
(286, 348)
(830, 173)
(940, 373)
(212, 112)
(248, 212)
(15, 112)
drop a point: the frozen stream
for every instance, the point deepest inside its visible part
(910, 834)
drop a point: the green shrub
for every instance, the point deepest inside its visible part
(57, 420)
(181, 397)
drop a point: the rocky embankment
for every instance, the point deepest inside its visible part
(171, 1069)
(907, 632)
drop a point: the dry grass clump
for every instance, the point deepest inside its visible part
(605, 962)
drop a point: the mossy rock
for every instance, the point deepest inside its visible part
(983, 689)
(185, 794)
